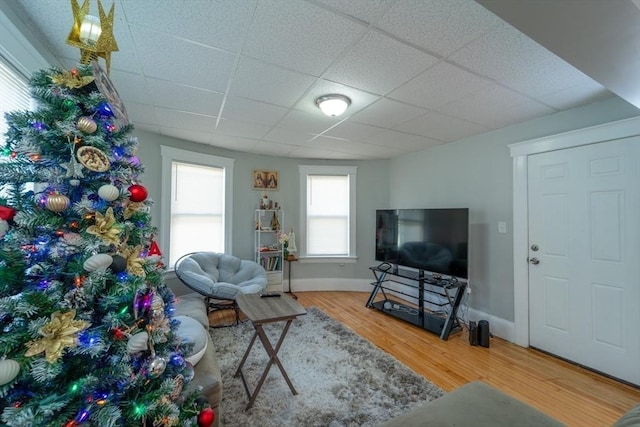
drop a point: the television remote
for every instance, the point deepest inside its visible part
(269, 295)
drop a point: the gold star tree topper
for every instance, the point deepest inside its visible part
(106, 42)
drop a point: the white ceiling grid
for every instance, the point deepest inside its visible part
(244, 74)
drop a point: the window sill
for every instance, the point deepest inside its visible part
(327, 260)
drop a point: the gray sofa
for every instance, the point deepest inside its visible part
(207, 370)
(477, 404)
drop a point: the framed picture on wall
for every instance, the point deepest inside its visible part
(265, 180)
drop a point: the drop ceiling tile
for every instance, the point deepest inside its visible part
(508, 78)
(359, 99)
(501, 54)
(546, 77)
(367, 11)
(387, 113)
(488, 106)
(335, 144)
(439, 26)
(528, 110)
(401, 141)
(490, 94)
(186, 134)
(378, 64)
(299, 35)
(234, 143)
(272, 149)
(269, 83)
(141, 113)
(241, 129)
(582, 94)
(353, 148)
(349, 156)
(55, 26)
(441, 127)
(183, 120)
(438, 85)
(286, 136)
(218, 23)
(352, 131)
(185, 98)
(302, 121)
(126, 58)
(247, 110)
(189, 63)
(130, 87)
(310, 153)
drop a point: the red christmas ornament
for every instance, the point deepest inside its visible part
(137, 193)
(7, 213)
(206, 417)
(118, 334)
(154, 250)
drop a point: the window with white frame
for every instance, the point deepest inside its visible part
(196, 203)
(14, 96)
(328, 211)
(14, 93)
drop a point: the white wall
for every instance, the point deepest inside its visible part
(372, 193)
(477, 173)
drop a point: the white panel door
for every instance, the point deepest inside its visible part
(584, 255)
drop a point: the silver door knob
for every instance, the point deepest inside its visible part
(534, 261)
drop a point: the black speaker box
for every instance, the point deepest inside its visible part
(473, 333)
(483, 333)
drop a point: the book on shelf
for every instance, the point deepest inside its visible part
(271, 263)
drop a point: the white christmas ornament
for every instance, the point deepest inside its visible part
(108, 192)
(9, 369)
(138, 342)
(98, 262)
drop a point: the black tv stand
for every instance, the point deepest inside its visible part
(437, 317)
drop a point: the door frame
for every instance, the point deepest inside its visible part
(520, 152)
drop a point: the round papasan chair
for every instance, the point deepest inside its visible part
(220, 278)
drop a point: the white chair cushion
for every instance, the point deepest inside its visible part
(191, 331)
(221, 276)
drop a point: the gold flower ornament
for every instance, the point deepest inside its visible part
(134, 262)
(106, 227)
(61, 332)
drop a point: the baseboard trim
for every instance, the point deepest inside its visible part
(329, 284)
(499, 327)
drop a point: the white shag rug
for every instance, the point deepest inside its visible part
(341, 378)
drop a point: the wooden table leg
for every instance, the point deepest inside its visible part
(273, 358)
(246, 354)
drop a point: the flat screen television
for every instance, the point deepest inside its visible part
(433, 240)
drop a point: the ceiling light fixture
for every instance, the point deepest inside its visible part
(333, 105)
(93, 35)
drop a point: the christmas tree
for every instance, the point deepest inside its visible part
(88, 335)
